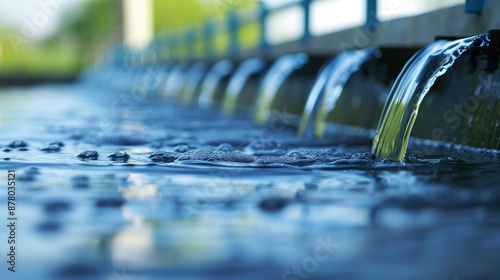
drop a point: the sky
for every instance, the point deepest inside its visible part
(39, 18)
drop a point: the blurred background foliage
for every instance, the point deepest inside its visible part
(87, 32)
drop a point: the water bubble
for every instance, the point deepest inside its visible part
(119, 156)
(216, 156)
(352, 162)
(451, 160)
(156, 144)
(109, 202)
(266, 145)
(7, 150)
(57, 206)
(23, 149)
(225, 147)
(29, 174)
(88, 154)
(80, 181)
(18, 144)
(386, 161)
(49, 226)
(181, 148)
(363, 156)
(311, 186)
(78, 135)
(79, 271)
(275, 152)
(58, 143)
(162, 156)
(280, 161)
(298, 154)
(273, 204)
(123, 140)
(51, 149)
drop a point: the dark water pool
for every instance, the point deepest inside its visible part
(202, 196)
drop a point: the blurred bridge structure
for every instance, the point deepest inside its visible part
(352, 25)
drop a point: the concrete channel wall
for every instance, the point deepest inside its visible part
(413, 31)
(461, 108)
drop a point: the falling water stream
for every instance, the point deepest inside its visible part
(410, 88)
(174, 80)
(214, 76)
(328, 87)
(273, 80)
(112, 186)
(195, 75)
(246, 69)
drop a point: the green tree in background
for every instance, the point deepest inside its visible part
(87, 32)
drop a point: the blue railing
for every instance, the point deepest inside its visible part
(188, 39)
(200, 41)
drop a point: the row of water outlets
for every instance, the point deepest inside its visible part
(374, 88)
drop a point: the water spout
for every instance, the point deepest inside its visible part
(174, 79)
(194, 75)
(220, 70)
(328, 87)
(247, 68)
(273, 80)
(409, 89)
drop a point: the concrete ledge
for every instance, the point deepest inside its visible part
(414, 31)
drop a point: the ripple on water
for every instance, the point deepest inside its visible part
(58, 143)
(275, 152)
(80, 181)
(109, 202)
(55, 207)
(80, 271)
(123, 140)
(49, 226)
(28, 174)
(273, 204)
(216, 156)
(266, 144)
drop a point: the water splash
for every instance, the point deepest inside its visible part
(243, 73)
(220, 70)
(410, 88)
(328, 87)
(194, 75)
(273, 80)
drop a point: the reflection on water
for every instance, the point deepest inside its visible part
(226, 199)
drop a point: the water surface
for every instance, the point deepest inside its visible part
(203, 196)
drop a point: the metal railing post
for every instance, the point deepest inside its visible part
(209, 38)
(474, 6)
(233, 29)
(371, 23)
(173, 45)
(306, 6)
(189, 41)
(264, 12)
